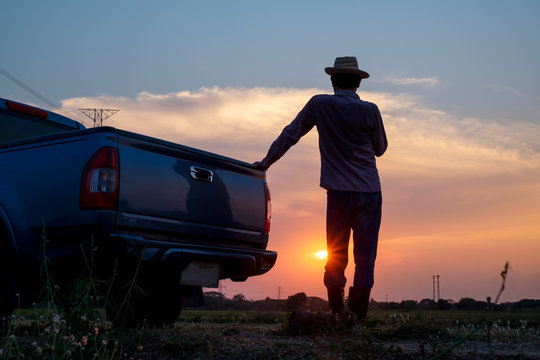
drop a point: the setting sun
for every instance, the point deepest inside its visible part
(321, 254)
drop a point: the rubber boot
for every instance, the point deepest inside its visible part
(335, 299)
(359, 301)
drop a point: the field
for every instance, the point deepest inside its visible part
(202, 334)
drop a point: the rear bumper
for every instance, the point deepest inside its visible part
(235, 263)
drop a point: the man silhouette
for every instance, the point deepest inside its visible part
(351, 135)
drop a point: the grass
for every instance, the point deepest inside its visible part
(43, 334)
(233, 316)
(79, 329)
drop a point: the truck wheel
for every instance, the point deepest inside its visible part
(6, 308)
(133, 305)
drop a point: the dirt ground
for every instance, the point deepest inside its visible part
(271, 341)
(262, 335)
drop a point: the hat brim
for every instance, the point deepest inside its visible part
(333, 70)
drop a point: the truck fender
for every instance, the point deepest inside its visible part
(7, 234)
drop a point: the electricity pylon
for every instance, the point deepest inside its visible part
(99, 115)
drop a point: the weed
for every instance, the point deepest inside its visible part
(69, 324)
(47, 331)
(474, 330)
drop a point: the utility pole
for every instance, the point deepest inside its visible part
(438, 289)
(98, 115)
(279, 292)
(434, 287)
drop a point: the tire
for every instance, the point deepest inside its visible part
(6, 277)
(149, 301)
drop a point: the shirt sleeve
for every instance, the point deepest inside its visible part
(378, 135)
(301, 125)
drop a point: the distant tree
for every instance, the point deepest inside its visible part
(392, 305)
(527, 304)
(214, 300)
(239, 298)
(444, 305)
(427, 304)
(213, 295)
(269, 304)
(471, 304)
(296, 301)
(316, 304)
(501, 307)
(408, 305)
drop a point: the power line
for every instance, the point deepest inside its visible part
(34, 92)
(27, 88)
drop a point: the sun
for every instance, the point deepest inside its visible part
(321, 254)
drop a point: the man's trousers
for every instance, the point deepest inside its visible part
(361, 213)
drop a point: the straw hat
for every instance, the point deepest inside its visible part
(346, 65)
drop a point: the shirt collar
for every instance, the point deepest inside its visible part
(348, 93)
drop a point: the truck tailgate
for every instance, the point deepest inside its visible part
(185, 194)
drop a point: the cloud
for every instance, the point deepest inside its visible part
(430, 151)
(243, 122)
(447, 180)
(431, 81)
(506, 90)
(226, 120)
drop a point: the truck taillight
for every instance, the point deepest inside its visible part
(268, 208)
(100, 178)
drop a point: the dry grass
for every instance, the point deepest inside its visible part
(43, 334)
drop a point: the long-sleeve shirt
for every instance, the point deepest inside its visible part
(351, 134)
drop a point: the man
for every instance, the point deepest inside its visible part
(351, 134)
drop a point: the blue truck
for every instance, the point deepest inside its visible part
(154, 220)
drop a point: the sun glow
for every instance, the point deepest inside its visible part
(321, 254)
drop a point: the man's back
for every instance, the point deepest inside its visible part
(351, 134)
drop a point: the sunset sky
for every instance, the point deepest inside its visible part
(457, 83)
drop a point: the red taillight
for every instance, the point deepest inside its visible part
(100, 178)
(25, 109)
(268, 208)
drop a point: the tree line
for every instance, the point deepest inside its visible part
(214, 300)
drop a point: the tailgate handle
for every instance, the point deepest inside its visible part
(201, 174)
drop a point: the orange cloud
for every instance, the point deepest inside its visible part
(460, 194)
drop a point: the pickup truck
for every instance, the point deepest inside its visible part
(153, 220)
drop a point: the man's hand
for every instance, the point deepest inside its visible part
(259, 166)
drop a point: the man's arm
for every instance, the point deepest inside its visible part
(378, 136)
(301, 125)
